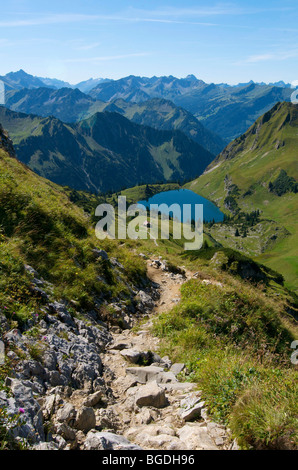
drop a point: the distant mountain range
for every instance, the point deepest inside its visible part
(70, 105)
(105, 152)
(225, 110)
(21, 79)
(66, 104)
(281, 84)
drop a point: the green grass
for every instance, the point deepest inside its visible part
(142, 192)
(254, 160)
(41, 227)
(235, 339)
(236, 342)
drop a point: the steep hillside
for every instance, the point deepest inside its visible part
(105, 152)
(248, 175)
(163, 114)
(40, 226)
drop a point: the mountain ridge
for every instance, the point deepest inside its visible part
(71, 105)
(104, 152)
(225, 110)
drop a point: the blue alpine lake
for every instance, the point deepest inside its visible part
(185, 196)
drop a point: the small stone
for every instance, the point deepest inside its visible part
(177, 368)
(192, 413)
(132, 355)
(166, 360)
(151, 395)
(145, 374)
(66, 414)
(93, 400)
(85, 420)
(65, 431)
(219, 441)
(190, 401)
(107, 441)
(119, 345)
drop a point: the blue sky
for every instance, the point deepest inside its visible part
(74, 40)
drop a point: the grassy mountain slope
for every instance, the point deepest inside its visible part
(70, 105)
(233, 336)
(40, 226)
(241, 175)
(104, 152)
(163, 114)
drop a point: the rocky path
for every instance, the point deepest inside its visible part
(151, 408)
(93, 386)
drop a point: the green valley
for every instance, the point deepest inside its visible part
(240, 179)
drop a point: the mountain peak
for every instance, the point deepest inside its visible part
(191, 77)
(19, 73)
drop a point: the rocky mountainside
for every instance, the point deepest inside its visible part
(21, 79)
(90, 389)
(61, 320)
(6, 143)
(104, 152)
(138, 89)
